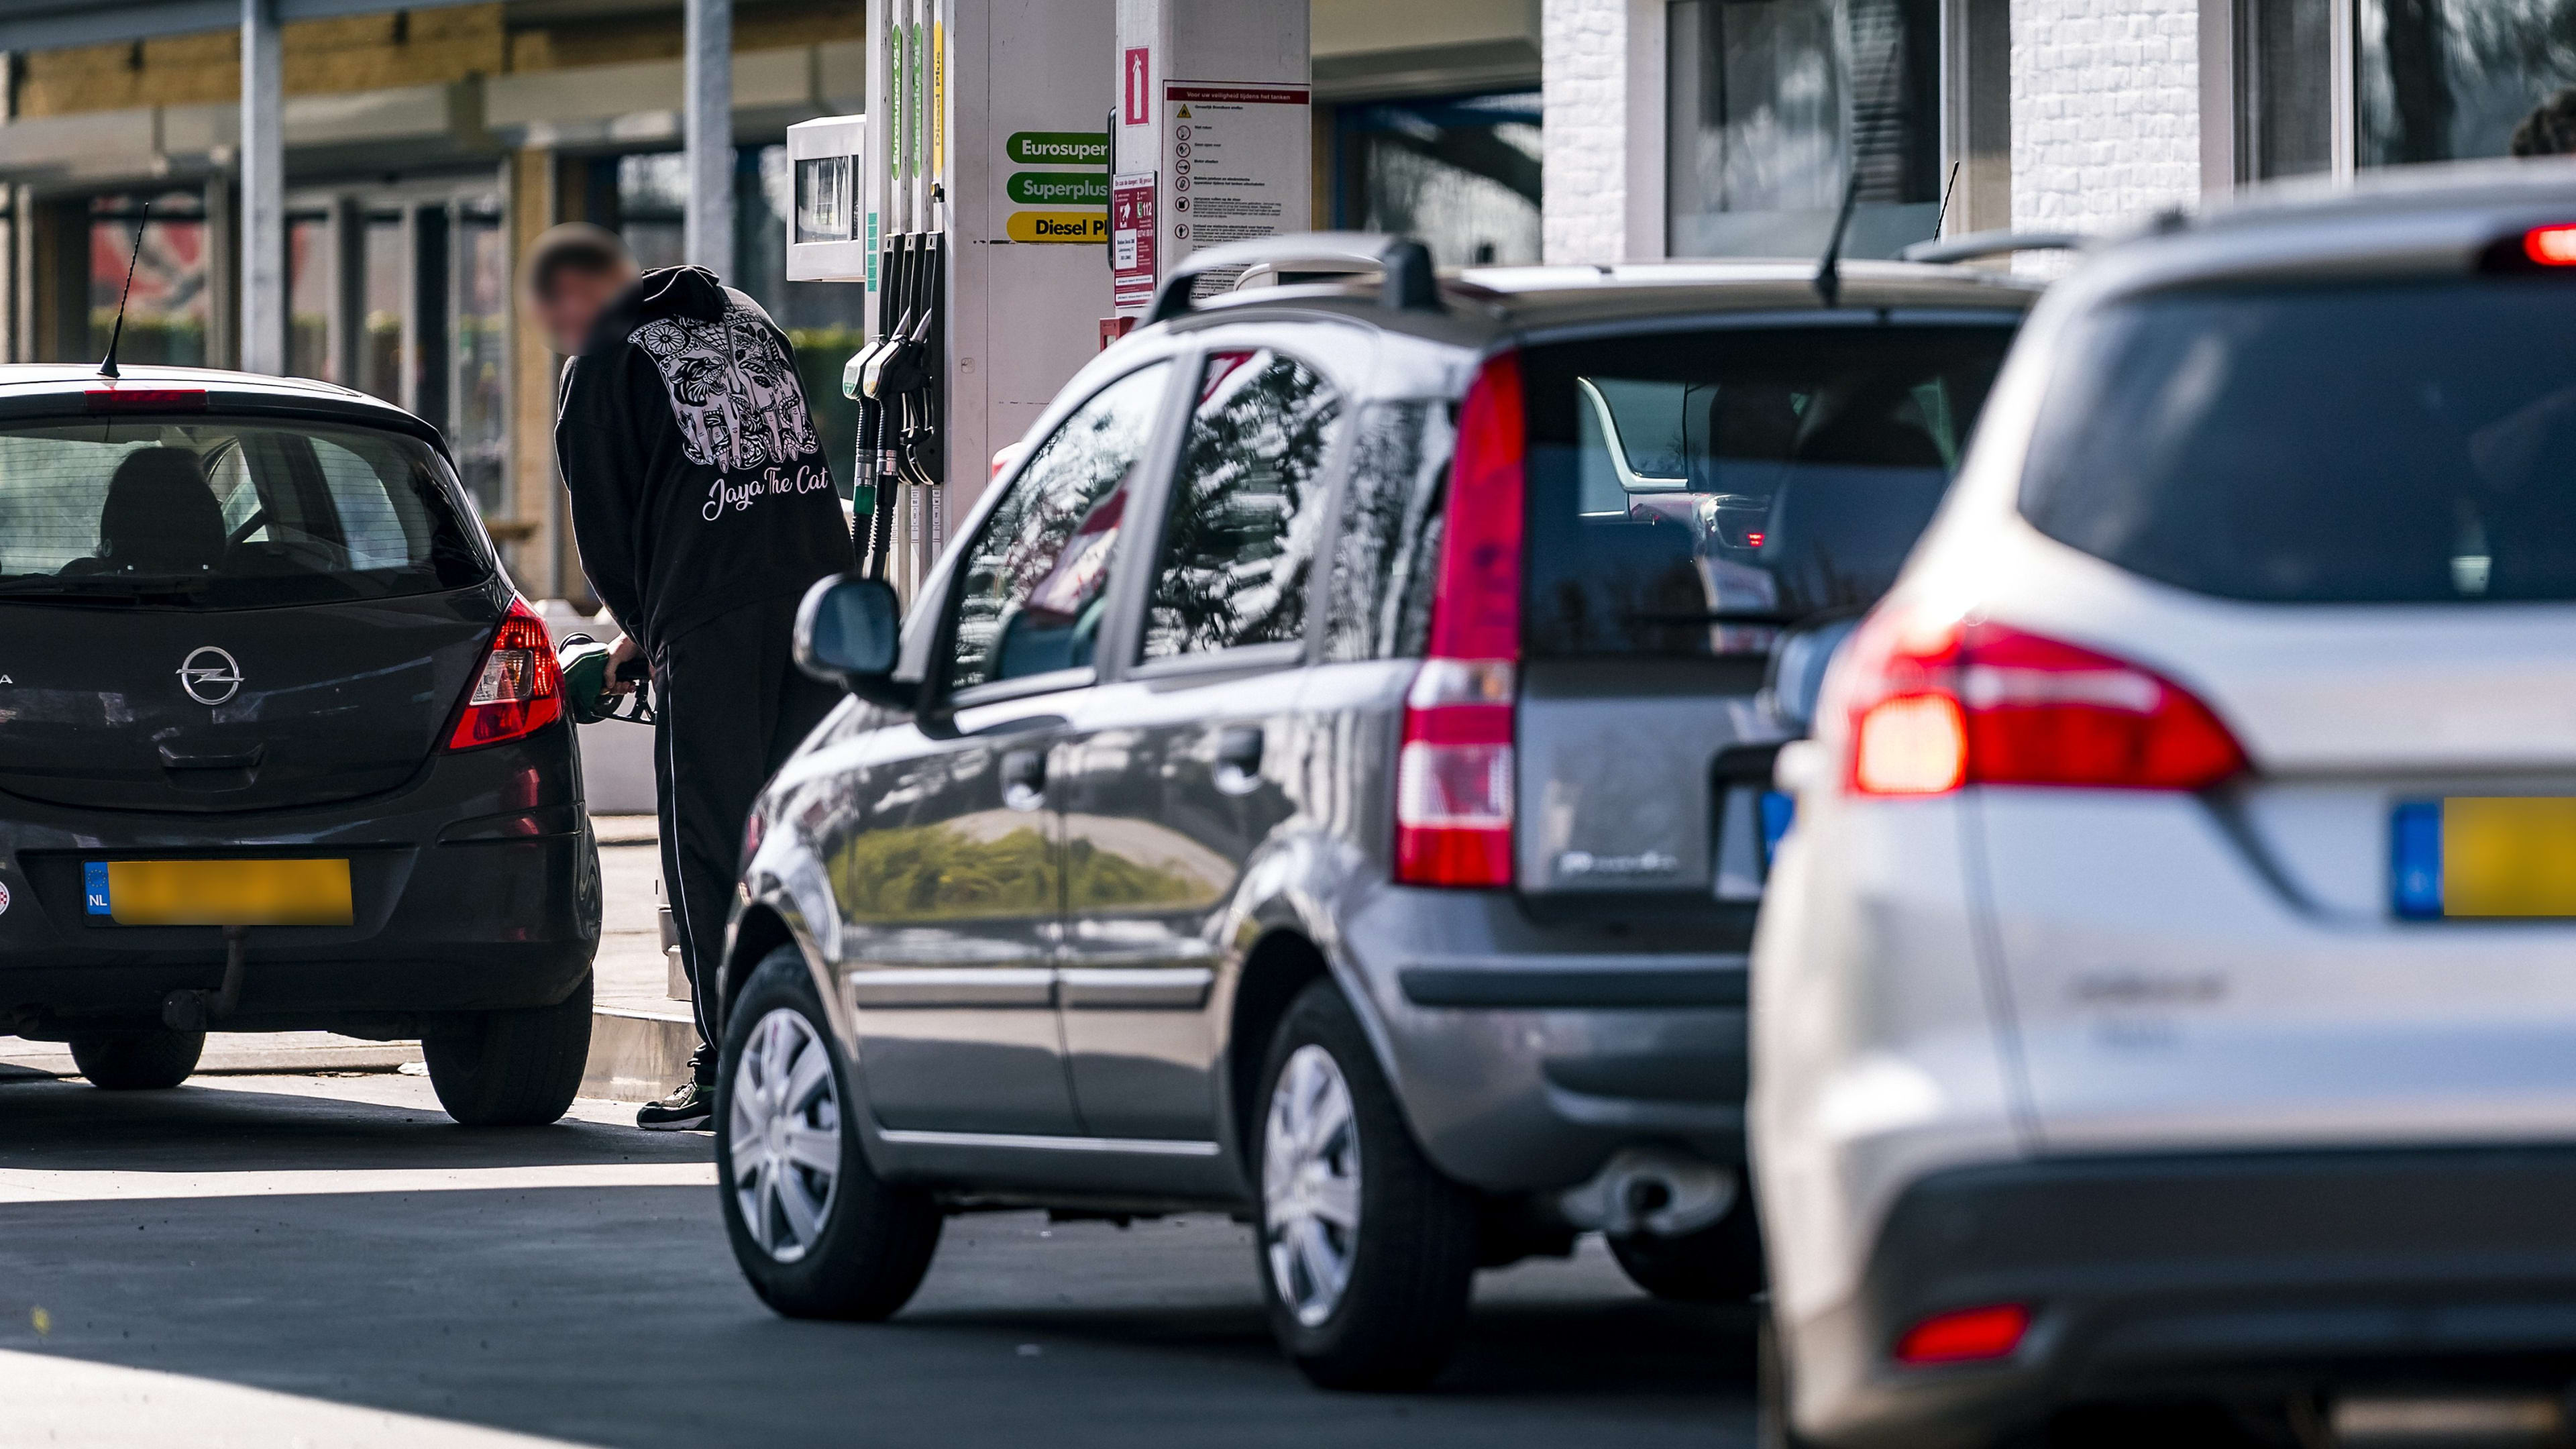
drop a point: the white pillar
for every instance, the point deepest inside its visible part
(1601, 92)
(709, 129)
(263, 203)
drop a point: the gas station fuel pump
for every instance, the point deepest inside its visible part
(972, 203)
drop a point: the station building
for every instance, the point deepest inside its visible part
(424, 146)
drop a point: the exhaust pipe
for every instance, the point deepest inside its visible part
(192, 1010)
(1654, 1191)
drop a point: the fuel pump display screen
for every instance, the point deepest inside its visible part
(823, 203)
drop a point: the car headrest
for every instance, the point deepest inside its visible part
(160, 517)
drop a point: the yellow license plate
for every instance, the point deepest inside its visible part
(219, 892)
(2508, 856)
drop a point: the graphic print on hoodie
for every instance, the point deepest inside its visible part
(698, 481)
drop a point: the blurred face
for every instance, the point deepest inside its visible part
(573, 299)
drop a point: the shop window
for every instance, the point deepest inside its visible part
(2286, 111)
(2446, 80)
(1462, 174)
(380, 351)
(481, 431)
(166, 319)
(1759, 150)
(311, 282)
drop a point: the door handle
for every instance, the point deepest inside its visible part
(1024, 779)
(1238, 759)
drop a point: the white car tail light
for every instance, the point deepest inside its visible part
(1934, 706)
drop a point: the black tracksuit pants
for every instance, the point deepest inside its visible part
(732, 706)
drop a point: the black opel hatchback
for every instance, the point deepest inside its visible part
(280, 745)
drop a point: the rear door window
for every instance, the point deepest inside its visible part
(2387, 443)
(1690, 492)
(1246, 507)
(1034, 586)
(1389, 538)
(216, 513)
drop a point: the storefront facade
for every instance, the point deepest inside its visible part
(1731, 127)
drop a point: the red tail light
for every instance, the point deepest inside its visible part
(113, 397)
(1935, 705)
(2550, 246)
(1453, 795)
(1965, 1336)
(519, 689)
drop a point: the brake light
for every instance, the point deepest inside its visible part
(1453, 793)
(2551, 246)
(1965, 1336)
(109, 397)
(519, 689)
(1935, 705)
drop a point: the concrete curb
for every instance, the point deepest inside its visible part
(637, 1056)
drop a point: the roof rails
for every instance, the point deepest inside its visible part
(1410, 285)
(1994, 244)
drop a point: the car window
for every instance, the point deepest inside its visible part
(1383, 554)
(2390, 443)
(1689, 492)
(216, 513)
(1035, 583)
(1246, 508)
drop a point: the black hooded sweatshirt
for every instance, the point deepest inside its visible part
(698, 483)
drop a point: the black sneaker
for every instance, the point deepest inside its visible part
(690, 1109)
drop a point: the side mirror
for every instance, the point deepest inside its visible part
(847, 633)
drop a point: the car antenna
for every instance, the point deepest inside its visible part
(1829, 272)
(1947, 187)
(107, 364)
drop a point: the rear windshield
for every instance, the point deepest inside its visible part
(1690, 491)
(2350, 444)
(210, 513)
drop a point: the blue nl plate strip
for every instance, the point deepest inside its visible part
(2415, 859)
(94, 887)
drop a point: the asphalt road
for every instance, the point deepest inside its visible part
(328, 1261)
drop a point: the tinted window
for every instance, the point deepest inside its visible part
(1688, 491)
(1246, 508)
(226, 514)
(1036, 581)
(1389, 541)
(2390, 443)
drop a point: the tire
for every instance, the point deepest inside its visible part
(510, 1068)
(1721, 1263)
(1405, 1267)
(151, 1060)
(818, 1234)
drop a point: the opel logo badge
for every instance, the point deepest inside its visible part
(209, 675)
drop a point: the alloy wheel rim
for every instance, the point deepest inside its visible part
(783, 1120)
(1310, 1185)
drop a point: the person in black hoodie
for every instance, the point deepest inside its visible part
(703, 509)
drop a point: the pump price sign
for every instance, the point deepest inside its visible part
(1075, 201)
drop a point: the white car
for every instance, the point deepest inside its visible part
(2167, 994)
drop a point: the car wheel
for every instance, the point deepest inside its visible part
(1366, 1251)
(1721, 1263)
(818, 1234)
(149, 1060)
(510, 1068)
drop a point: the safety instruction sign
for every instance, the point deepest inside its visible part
(1131, 239)
(1235, 165)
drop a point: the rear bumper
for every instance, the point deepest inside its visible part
(476, 887)
(2248, 1276)
(1525, 1055)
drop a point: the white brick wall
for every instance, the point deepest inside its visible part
(1584, 94)
(2105, 111)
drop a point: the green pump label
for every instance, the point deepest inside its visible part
(1059, 188)
(1058, 148)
